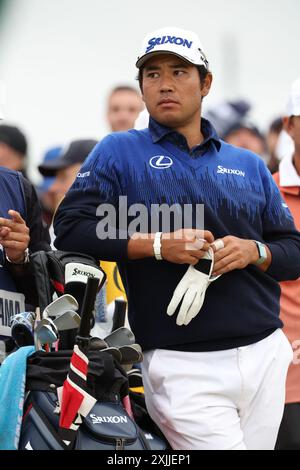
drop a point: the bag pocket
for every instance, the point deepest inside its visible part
(108, 427)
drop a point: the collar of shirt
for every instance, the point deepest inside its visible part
(160, 132)
(289, 179)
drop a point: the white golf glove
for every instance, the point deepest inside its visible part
(191, 290)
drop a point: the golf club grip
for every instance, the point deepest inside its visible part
(88, 305)
(119, 314)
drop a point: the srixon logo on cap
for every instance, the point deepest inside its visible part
(168, 40)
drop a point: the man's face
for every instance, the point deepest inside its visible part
(292, 126)
(62, 183)
(124, 107)
(172, 90)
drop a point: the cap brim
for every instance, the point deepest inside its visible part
(52, 167)
(142, 60)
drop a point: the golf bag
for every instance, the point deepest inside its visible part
(106, 427)
(61, 272)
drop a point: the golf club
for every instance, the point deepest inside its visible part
(45, 333)
(120, 337)
(119, 314)
(115, 352)
(60, 305)
(97, 344)
(67, 321)
(130, 355)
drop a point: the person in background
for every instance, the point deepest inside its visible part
(288, 181)
(46, 198)
(65, 167)
(21, 233)
(13, 148)
(272, 137)
(246, 135)
(123, 107)
(225, 115)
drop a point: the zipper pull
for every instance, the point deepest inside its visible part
(120, 444)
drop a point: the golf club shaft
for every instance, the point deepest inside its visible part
(119, 314)
(88, 307)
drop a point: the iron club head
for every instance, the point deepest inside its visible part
(67, 321)
(60, 305)
(45, 332)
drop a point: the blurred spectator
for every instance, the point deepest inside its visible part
(13, 148)
(288, 181)
(46, 198)
(123, 107)
(227, 114)
(21, 232)
(246, 135)
(230, 119)
(65, 167)
(272, 143)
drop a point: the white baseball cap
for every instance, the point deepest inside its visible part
(1, 114)
(182, 43)
(293, 106)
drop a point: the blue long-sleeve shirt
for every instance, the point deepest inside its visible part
(240, 198)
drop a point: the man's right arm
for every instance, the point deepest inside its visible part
(75, 226)
(76, 222)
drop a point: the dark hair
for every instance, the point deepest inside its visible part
(276, 126)
(14, 138)
(203, 72)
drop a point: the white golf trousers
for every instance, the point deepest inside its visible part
(219, 400)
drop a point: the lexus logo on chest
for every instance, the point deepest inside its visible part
(160, 162)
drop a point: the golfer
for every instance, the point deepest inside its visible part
(215, 357)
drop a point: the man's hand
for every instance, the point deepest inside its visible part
(237, 254)
(185, 246)
(14, 236)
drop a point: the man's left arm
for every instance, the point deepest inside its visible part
(279, 236)
(238, 254)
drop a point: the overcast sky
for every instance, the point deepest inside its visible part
(59, 58)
